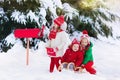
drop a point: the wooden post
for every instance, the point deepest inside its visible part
(27, 54)
(29, 33)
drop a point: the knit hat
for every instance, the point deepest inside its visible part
(85, 35)
(59, 20)
(75, 41)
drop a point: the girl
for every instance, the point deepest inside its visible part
(73, 57)
(58, 42)
(88, 57)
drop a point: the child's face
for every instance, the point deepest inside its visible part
(75, 47)
(84, 42)
(55, 26)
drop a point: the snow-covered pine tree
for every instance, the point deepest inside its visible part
(27, 14)
(18, 14)
(79, 14)
(93, 15)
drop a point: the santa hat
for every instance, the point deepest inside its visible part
(59, 20)
(85, 35)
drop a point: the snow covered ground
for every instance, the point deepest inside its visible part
(13, 64)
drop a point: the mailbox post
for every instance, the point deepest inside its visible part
(27, 53)
(28, 33)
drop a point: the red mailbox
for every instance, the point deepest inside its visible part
(29, 33)
(26, 33)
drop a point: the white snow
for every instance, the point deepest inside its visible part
(10, 39)
(31, 15)
(52, 5)
(19, 17)
(86, 19)
(1, 11)
(107, 59)
(69, 11)
(13, 64)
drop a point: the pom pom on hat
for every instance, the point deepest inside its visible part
(84, 32)
(64, 26)
(85, 35)
(59, 20)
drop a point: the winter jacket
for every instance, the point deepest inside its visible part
(61, 42)
(88, 54)
(71, 56)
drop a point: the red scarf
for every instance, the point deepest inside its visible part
(53, 33)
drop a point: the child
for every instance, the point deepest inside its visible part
(58, 41)
(88, 57)
(73, 57)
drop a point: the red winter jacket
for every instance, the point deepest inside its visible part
(71, 56)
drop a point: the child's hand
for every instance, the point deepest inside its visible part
(81, 69)
(82, 65)
(78, 69)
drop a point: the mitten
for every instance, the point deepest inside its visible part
(51, 51)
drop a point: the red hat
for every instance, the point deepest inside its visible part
(75, 41)
(59, 20)
(85, 35)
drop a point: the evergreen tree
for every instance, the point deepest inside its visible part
(84, 14)
(9, 22)
(23, 7)
(92, 17)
